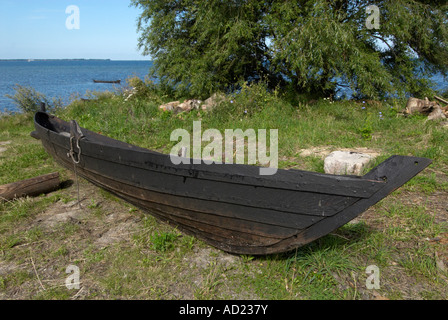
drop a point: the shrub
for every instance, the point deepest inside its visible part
(137, 88)
(28, 99)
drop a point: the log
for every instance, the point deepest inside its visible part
(415, 105)
(430, 108)
(441, 100)
(30, 187)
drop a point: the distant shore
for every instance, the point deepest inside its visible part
(55, 59)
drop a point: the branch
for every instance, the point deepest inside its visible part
(385, 42)
(441, 100)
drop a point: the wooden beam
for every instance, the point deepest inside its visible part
(441, 100)
(30, 187)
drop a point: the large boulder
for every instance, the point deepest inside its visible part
(346, 162)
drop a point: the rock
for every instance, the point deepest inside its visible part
(178, 107)
(436, 114)
(187, 105)
(213, 101)
(346, 163)
(170, 106)
(323, 152)
(415, 105)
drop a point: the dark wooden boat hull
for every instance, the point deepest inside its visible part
(228, 206)
(106, 81)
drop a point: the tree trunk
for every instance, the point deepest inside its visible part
(30, 187)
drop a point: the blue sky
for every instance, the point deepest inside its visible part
(36, 29)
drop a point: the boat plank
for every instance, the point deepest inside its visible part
(292, 201)
(205, 208)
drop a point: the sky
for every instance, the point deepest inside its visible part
(69, 29)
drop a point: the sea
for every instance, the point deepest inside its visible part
(65, 79)
(70, 79)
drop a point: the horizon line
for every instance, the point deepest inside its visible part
(42, 59)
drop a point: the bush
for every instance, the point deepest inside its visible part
(249, 99)
(142, 89)
(28, 99)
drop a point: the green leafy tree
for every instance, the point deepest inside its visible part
(309, 46)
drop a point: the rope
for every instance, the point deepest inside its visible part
(72, 152)
(71, 155)
(77, 187)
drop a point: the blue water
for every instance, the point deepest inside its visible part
(439, 83)
(65, 79)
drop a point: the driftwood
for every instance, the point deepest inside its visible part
(30, 187)
(444, 109)
(430, 108)
(440, 99)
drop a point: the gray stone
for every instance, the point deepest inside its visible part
(187, 106)
(346, 163)
(213, 101)
(436, 114)
(170, 106)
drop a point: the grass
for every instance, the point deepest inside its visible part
(147, 259)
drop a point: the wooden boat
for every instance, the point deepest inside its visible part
(107, 81)
(228, 206)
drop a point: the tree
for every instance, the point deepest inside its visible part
(314, 46)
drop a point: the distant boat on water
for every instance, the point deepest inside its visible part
(106, 81)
